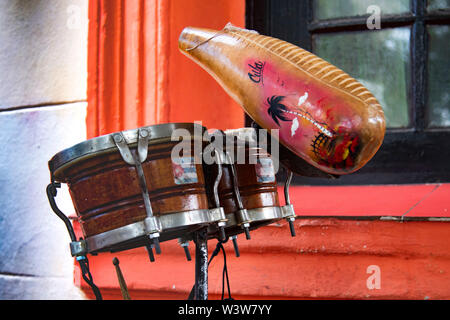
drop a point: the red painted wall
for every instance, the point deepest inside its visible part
(137, 77)
(328, 259)
(194, 95)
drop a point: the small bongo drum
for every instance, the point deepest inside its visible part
(137, 187)
(248, 187)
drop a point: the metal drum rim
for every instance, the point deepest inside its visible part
(104, 144)
(137, 229)
(269, 213)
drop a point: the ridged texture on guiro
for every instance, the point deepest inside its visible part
(308, 62)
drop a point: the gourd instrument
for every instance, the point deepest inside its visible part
(324, 116)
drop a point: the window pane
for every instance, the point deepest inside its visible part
(438, 4)
(380, 60)
(328, 9)
(439, 76)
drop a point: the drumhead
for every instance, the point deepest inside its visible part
(105, 144)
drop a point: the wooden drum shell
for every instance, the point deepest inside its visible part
(105, 190)
(254, 193)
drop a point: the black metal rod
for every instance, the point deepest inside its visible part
(201, 265)
(187, 253)
(222, 234)
(235, 245)
(150, 252)
(292, 228)
(155, 241)
(247, 233)
(51, 194)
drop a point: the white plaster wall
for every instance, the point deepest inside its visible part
(43, 48)
(42, 51)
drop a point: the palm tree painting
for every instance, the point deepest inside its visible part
(277, 111)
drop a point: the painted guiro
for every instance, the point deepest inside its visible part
(323, 115)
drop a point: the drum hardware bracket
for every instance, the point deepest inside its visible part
(152, 224)
(78, 248)
(242, 212)
(51, 194)
(221, 224)
(142, 147)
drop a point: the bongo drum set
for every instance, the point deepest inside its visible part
(141, 187)
(130, 189)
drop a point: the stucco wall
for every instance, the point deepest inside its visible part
(42, 111)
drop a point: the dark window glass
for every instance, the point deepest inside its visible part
(327, 9)
(438, 4)
(439, 76)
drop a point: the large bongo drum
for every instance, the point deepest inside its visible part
(131, 187)
(248, 187)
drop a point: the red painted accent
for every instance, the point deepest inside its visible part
(435, 203)
(426, 200)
